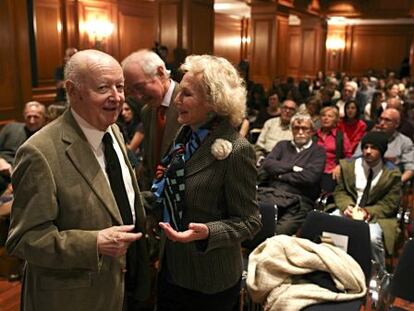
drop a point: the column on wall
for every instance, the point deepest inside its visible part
(267, 46)
(186, 27)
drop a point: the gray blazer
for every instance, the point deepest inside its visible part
(62, 199)
(221, 194)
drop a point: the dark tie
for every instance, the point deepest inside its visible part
(367, 188)
(113, 169)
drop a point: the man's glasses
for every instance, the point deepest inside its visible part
(304, 129)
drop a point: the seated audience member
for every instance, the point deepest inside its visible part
(351, 125)
(407, 119)
(374, 109)
(132, 130)
(313, 107)
(54, 111)
(336, 145)
(364, 93)
(348, 93)
(369, 189)
(292, 170)
(14, 134)
(275, 130)
(131, 125)
(400, 149)
(272, 110)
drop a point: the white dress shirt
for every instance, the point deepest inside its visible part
(94, 138)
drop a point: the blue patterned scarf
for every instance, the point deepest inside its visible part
(169, 184)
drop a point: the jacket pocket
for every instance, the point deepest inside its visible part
(65, 281)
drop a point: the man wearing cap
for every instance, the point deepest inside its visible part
(369, 190)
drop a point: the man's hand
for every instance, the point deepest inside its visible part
(348, 211)
(5, 167)
(114, 241)
(196, 231)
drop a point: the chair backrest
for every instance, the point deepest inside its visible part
(359, 241)
(268, 214)
(402, 283)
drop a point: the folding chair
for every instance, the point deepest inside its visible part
(359, 247)
(402, 284)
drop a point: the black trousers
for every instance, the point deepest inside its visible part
(175, 298)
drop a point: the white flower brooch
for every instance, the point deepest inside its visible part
(221, 148)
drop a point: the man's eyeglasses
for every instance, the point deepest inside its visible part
(304, 129)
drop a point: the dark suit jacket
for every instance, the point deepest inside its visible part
(383, 200)
(12, 136)
(62, 199)
(221, 194)
(149, 120)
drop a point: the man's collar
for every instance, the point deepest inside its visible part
(167, 98)
(376, 169)
(304, 147)
(93, 135)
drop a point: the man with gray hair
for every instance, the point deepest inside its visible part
(148, 82)
(292, 171)
(14, 134)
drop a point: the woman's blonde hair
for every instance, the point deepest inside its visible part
(334, 109)
(224, 87)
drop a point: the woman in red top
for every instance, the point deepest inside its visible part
(352, 125)
(328, 136)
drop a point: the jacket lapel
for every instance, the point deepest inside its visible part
(349, 178)
(80, 153)
(171, 123)
(203, 156)
(377, 191)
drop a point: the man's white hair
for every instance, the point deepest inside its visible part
(148, 61)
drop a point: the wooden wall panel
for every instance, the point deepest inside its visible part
(200, 29)
(282, 47)
(8, 65)
(261, 51)
(170, 17)
(378, 47)
(48, 34)
(294, 51)
(15, 77)
(137, 28)
(309, 38)
(227, 37)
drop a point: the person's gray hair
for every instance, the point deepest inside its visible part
(148, 60)
(35, 104)
(222, 84)
(300, 116)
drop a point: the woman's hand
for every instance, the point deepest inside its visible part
(196, 231)
(336, 173)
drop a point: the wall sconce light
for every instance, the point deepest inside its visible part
(245, 40)
(334, 44)
(99, 30)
